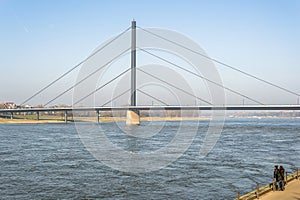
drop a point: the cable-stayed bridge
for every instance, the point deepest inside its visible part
(133, 108)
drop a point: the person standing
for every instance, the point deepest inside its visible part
(281, 173)
(276, 176)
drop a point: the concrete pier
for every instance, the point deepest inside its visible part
(133, 118)
(66, 117)
(97, 116)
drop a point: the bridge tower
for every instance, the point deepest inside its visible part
(133, 115)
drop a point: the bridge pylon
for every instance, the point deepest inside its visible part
(133, 115)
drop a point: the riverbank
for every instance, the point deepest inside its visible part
(267, 192)
(92, 119)
(31, 119)
(291, 192)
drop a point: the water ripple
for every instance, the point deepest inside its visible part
(50, 162)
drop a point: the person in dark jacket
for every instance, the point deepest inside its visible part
(281, 173)
(276, 176)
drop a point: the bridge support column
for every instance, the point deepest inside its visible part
(11, 115)
(97, 116)
(133, 64)
(66, 117)
(133, 117)
(37, 114)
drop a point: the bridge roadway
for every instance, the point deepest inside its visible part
(227, 107)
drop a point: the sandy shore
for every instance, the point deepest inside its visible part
(57, 119)
(29, 121)
(92, 119)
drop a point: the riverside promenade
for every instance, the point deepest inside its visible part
(291, 192)
(267, 192)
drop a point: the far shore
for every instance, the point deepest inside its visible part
(92, 119)
(52, 120)
(29, 121)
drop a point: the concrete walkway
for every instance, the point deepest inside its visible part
(291, 192)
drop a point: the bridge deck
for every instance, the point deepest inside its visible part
(230, 107)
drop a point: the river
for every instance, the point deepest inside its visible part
(49, 161)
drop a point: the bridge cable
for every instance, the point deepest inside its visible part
(85, 78)
(222, 86)
(116, 97)
(174, 86)
(102, 86)
(153, 97)
(76, 66)
(222, 63)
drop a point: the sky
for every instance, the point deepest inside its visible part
(40, 40)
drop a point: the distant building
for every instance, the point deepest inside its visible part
(9, 105)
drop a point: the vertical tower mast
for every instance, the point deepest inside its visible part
(133, 63)
(133, 115)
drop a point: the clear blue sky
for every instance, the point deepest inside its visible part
(42, 39)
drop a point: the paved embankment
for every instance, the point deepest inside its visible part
(291, 192)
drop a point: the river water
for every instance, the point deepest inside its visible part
(49, 161)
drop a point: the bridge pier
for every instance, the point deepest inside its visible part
(133, 117)
(11, 115)
(37, 114)
(66, 117)
(97, 116)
